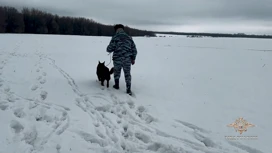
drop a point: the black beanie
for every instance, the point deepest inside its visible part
(117, 26)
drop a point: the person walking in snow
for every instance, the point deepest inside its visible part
(124, 54)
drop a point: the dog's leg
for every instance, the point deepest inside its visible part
(108, 83)
(102, 82)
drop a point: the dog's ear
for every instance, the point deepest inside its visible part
(104, 62)
(98, 61)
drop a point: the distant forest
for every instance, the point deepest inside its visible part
(238, 35)
(33, 21)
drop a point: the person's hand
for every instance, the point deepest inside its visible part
(132, 62)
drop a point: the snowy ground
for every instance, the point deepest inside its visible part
(187, 92)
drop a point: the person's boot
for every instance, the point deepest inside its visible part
(116, 86)
(129, 91)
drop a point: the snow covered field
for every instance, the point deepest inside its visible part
(187, 91)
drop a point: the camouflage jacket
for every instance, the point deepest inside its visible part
(122, 45)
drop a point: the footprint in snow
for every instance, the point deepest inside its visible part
(63, 126)
(58, 147)
(38, 70)
(34, 87)
(46, 118)
(43, 95)
(105, 108)
(141, 112)
(16, 126)
(131, 104)
(99, 133)
(44, 74)
(19, 112)
(3, 106)
(156, 146)
(96, 124)
(11, 98)
(119, 121)
(142, 137)
(43, 81)
(39, 77)
(30, 136)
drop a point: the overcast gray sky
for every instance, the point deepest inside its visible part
(231, 16)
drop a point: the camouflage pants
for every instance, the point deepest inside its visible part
(124, 63)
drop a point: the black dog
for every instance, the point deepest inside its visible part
(103, 73)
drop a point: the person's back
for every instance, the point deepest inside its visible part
(124, 54)
(124, 45)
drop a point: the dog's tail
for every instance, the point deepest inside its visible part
(111, 70)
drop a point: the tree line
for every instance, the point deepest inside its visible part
(216, 35)
(34, 21)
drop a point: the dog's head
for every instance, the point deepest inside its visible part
(101, 64)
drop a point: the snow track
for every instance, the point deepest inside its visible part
(119, 122)
(46, 107)
(122, 124)
(30, 113)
